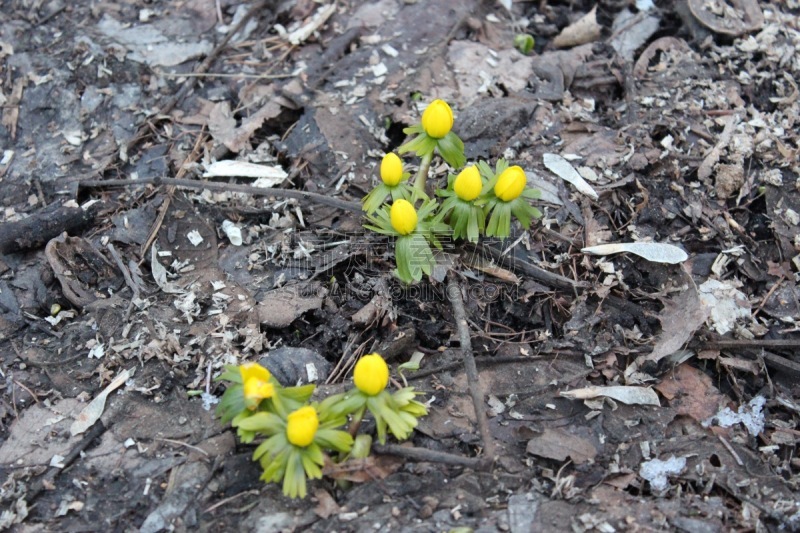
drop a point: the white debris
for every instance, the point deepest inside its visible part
(194, 237)
(726, 303)
(750, 415)
(233, 232)
(656, 471)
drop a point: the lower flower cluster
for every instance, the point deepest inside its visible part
(299, 436)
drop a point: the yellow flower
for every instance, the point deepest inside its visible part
(371, 374)
(301, 426)
(391, 169)
(256, 384)
(468, 184)
(403, 217)
(437, 119)
(510, 184)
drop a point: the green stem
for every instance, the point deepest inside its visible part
(422, 173)
(355, 422)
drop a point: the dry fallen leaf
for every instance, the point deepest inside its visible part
(564, 170)
(691, 393)
(584, 30)
(558, 444)
(243, 169)
(622, 393)
(652, 251)
(92, 412)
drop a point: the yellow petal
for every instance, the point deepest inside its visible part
(254, 370)
(403, 217)
(371, 374)
(256, 390)
(437, 119)
(391, 169)
(468, 184)
(256, 381)
(510, 184)
(301, 426)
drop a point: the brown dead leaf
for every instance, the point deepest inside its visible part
(742, 17)
(558, 444)
(363, 470)
(281, 307)
(11, 108)
(584, 30)
(223, 128)
(691, 393)
(681, 317)
(326, 505)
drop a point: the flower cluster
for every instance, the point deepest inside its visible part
(299, 435)
(475, 195)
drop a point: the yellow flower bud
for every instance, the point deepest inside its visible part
(437, 119)
(256, 384)
(391, 169)
(403, 217)
(301, 426)
(371, 374)
(510, 184)
(468, 184)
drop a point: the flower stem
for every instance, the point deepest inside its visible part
(422, 173)
(355, 422)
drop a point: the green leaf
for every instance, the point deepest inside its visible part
(294, 480)
(299, 395)
(334, 439)
(231, 373)
(402, 255)
(263, 422)
(451, 149)
(524, 42)
(231, 404)
(375, 198)
(271, 447)
(421, 145)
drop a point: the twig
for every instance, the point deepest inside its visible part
(731, 450)
(431, 456)
(481, 361)
(471, 369)
(220, 503)
(231, 187)
(532, 270)
(94, 432)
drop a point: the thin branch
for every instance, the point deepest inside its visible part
(471, 369)
(230, 187)
(430, 456)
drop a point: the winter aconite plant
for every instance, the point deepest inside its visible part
(298, 436)
(478, 201)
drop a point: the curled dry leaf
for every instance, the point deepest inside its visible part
(564, 170)
(652, 251)
(742, 17)
(92, 412)
(272, 175)
(584, 30)
(622, 393)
